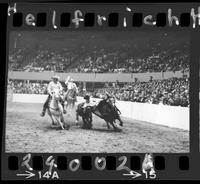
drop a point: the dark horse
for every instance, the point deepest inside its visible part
(109, 112)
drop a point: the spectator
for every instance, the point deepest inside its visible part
(102, 60)
(173, 91)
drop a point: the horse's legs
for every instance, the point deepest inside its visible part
(112, 125)
(61, 124)
(115, 128)
(108, 126)
(68, 108)
(60, 119)
(51, 117)
(121, 122)
(53, 122)
(61, 115)
(71, 108)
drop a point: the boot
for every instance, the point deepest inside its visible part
(45, 106)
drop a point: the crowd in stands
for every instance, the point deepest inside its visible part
(15, 58)
(101, 60)
(173, 91)
(26, 87)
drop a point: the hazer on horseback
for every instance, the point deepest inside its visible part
(71, 95)
(53, 85)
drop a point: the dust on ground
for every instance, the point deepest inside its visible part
(26, 131)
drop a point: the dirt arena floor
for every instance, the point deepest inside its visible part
(26, 131)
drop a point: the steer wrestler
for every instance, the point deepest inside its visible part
(82, 107)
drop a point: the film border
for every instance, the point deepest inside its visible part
(194, 136)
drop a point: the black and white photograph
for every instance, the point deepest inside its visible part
(98, 92)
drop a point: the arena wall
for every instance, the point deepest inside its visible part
(172, 116)
(92, 77)
(9, 94)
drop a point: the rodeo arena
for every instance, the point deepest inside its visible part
(98, 92)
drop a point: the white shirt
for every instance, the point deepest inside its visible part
(54, 86)
(71, 85)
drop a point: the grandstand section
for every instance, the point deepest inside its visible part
(86, 52)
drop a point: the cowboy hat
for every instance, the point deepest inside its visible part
(55, 77)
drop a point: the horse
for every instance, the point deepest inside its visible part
(106, 111)
(55, 110)
(70, 98)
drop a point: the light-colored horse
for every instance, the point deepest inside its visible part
(70, 97)
(55, 110)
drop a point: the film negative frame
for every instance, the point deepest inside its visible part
(85, 166)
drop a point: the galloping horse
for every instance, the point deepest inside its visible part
(55, 110)
(70, 97)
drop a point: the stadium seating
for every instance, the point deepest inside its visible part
(101, 60)
(173, 91)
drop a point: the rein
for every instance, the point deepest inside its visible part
(53, 108)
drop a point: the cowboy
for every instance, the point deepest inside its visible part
(71, 85)
(54, 84)
(82, 107)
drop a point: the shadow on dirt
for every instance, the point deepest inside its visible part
(52, 128)
(102, 130)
